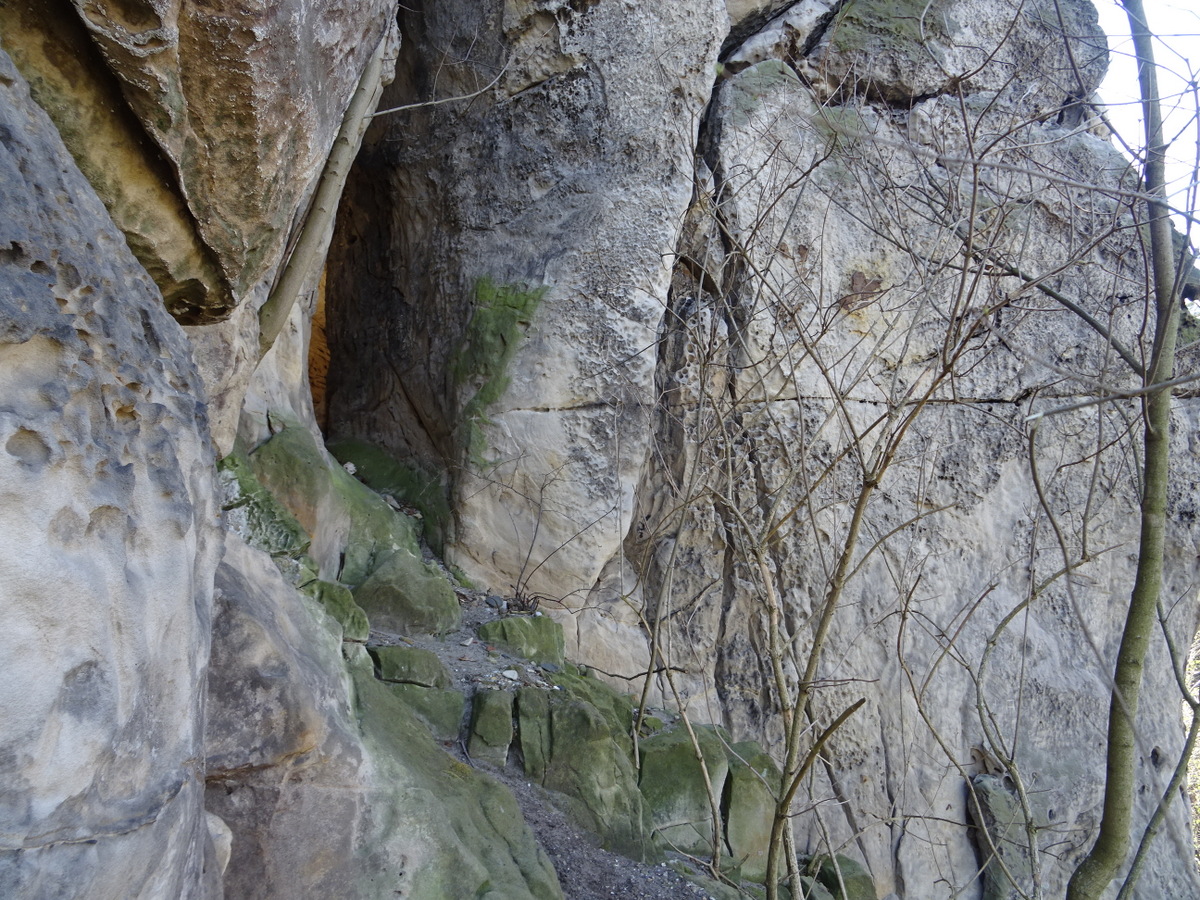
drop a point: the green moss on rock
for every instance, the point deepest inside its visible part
(407, 596)
(477, 843)
(491, 727)
(616, 708)
(673, 784)
(410, 665)
(995, 811)
(253, 511)
(348, 521)
(533, 731)
(748, 88)
(440, 710)
(408, 484)
(503, 312)
(538, 638)
(871, 25)
(571, 746)
(339, 603)
(749, 808)
(591, 766)
(843, 877)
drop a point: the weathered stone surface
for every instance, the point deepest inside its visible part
(627, 366)
(272, 688)
(332, 796)
(253, 512)
(382, 473)
(68, 79)
(353, 530)
(903, 51)
(410, 665)
(748, 807)
(338, 601)
(566, 181)
(575, 741)
(673, 782)
(245, 106)
(538, 638)
(440, 710)
(807, 305)
(407, 596)
(844, 878)
(491, 727)
(107, 505)
(995, 813)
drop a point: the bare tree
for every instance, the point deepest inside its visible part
(757, 363)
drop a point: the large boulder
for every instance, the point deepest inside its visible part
(329, 784)
(538, 638)
(575, 741)
(352, 529)
(108, 508)
(491, 730)
(748, 808)
(681, 787)
(406, 595)
(421, 680)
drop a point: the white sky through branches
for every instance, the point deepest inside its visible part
(1177, 52)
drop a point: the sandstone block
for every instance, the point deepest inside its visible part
(410, 665)
(538, 638)
(407, 596)
(672, 782)
(491, 727)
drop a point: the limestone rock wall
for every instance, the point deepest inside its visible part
(816, 309)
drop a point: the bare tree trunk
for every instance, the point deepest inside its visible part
(1109, 852)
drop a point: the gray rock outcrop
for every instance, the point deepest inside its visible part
(329, 785)
(536, 224)
(888, 207)
(108, 512)
(747, 340)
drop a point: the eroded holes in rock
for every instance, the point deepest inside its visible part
(13, 254)
(67, 528)
(29, 447)
(68, 276)
(107, 522)
(186, 302)
(87, 692)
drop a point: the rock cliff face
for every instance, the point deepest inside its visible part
(713, 328)
(109, 512)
